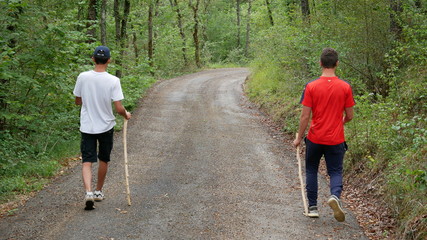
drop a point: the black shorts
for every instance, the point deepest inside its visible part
(89, 144)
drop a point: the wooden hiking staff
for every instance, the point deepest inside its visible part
(301, 180)
(125, 126)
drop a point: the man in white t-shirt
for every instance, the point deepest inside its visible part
(95, 90)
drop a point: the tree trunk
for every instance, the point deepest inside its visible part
(117, 19)
(91, 17)
(156, 15)
(206, 4)
(104, 22)
(305, 8)
(270, 14)
(195, 9)
(248, 28)
(313, 8)
(175, 6)
(135, 46)
(396, 10)
(238, 22)
(121, 35)
(150, 37)
(123, 30)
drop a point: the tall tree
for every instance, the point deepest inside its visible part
(305, 8)
(150, 36)
(248, 28)
(91, 17)
(270, 14)
(204, 27)
(104, 22)
(175, 6)
(135, 45)
(238, 22)
(117, 19)
(121, 31)
(195, 8)
(395, 11)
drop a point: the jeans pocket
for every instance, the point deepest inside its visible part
(345, 146)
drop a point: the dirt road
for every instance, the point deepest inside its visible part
(202, 166)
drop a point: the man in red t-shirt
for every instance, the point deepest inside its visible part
(327, 99)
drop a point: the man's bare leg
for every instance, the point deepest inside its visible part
(87, 182)
(87, 176)
(102, 173)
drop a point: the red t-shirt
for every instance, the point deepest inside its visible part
(327, 97)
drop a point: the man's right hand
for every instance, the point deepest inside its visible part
(297, 142)
(128, 115)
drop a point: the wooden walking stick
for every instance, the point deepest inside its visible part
(301, 181)
(125, 126)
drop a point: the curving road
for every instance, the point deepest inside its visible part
(202, 166)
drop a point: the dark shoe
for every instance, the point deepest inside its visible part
(312, 212)
(89, 201)
(336, 206)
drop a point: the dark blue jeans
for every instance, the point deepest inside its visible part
(334, 155)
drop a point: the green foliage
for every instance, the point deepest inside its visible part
(168, 52)
(219, 43)
(133, 88)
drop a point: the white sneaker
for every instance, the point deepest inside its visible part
(335, 204)
(89, 201)
(312, 212)
(98, 196)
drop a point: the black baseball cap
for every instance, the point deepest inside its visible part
(101, 52)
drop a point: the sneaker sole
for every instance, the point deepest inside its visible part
(313, 215)
(98, 199)
(338, 212)
(90, 205)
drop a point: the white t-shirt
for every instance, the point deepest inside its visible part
(97, 90)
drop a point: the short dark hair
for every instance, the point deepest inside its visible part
(329, 58)
(101, 60)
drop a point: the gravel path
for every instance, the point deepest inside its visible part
(202, 166)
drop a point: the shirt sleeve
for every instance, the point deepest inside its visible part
(78, 88)
(117, 93)
(306, 99)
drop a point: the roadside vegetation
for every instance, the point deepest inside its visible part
(45, 44)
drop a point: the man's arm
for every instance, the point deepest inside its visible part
(303, 123)
(121, 110)
(78, 101)
(349, 114)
